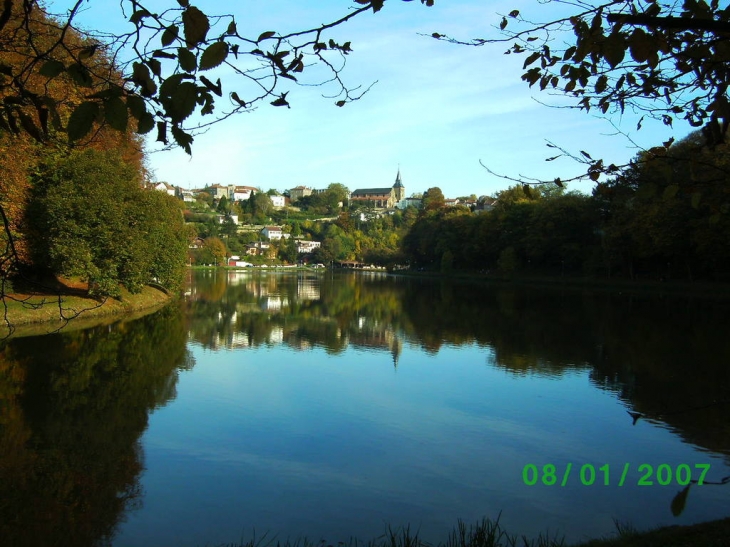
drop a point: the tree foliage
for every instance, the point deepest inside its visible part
(92, 220)
(665, 61)
(171, 71)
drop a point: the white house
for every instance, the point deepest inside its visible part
(305, 247)
(272, 232)
(164, 187)
(278, 201)
(222, 219)
(243, 192)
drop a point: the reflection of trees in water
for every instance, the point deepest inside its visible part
(73, 407)
(664, 355)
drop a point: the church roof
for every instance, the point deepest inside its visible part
(398, 181)
(371, 191)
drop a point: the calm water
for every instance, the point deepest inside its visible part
(328, 406)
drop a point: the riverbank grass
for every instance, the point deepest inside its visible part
(65, 305)
(489, 533)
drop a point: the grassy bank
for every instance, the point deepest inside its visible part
(67, 307)
(489, 533)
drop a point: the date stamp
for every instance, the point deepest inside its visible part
(588, 474)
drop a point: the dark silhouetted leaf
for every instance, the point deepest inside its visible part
(162, 132)
(213, 55)
(29, 126)
(531, 59)
(214, 87)
(52, 68)
(183, 139)
(281, 101)
(183, 101)
(679, 501)
(266, 35)
(80, 75)
(82, 119)
(145, 123)
(115, 113)
(195, 26)
(169, 35)
(231, 30)
(236, 98)
(138, 15)
(187, 60)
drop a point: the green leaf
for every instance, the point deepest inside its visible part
(170, 35)
(696, 199)
(670, 191)
(187, 60)
(195, 26)
(184, 140)
(213, 55)
(82, 119)
(52, 68)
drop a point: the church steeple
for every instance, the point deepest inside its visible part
(400, 190)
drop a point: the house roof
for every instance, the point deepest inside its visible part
(272, 228)
(371, 191)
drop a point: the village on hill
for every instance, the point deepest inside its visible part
(245, 226)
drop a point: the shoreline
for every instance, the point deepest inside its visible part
(38, 314)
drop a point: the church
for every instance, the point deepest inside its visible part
(381, 198)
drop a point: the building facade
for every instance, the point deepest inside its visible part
(381, 198)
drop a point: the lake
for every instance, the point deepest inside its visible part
(331, 405)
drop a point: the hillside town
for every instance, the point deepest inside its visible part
(244, 226)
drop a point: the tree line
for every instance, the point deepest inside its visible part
(662, 217)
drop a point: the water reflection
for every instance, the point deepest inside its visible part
(72, 409)
(329, 404)
(666, 356)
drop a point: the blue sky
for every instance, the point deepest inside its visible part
(436, 110)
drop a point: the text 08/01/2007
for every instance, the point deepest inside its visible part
(590, 475)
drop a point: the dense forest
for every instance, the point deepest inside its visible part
(76, 207)
(663, 217)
